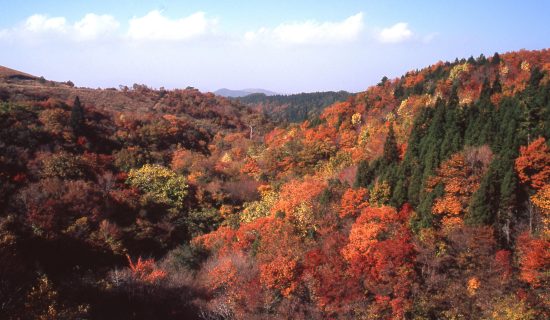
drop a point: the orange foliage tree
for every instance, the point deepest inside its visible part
(297, 201)
(233, 283)
(146, 270)
(461, 176)
(532, 165)
(280, 274)
(541, 200)
(353, 201)
(251, 168)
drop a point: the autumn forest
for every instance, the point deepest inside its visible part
(427, 196)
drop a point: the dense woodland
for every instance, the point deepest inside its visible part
(424, 197)
(293, 107)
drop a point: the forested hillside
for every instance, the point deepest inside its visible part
(424, 197)
(294, 107)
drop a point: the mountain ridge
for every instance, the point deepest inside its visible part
(230, 93)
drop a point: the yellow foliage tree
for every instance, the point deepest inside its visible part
(541, 200)
(380, 194)
(512, 308)
(356, 119)
(261, 208)
(160, 184)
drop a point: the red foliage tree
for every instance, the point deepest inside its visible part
(503, 263)
(534, 260)
(381, 255)
(333, 290)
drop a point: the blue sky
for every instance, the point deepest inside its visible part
(284, 46)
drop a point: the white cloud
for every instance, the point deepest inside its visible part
(42, 23)
(41, 27)
(399, 32)
(429, 37)
(155, 26)
(152, 26)
(311, 32)
(93, 26)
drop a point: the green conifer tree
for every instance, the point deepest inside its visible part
(77, 116)
(391, 151)
(364, 175)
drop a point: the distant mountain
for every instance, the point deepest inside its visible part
(224, 92)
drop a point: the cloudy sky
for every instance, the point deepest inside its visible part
(284, 46)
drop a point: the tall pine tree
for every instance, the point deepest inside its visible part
(77, 117)
(364, 175)
(391, 151)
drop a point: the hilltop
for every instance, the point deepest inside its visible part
(11, 74)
